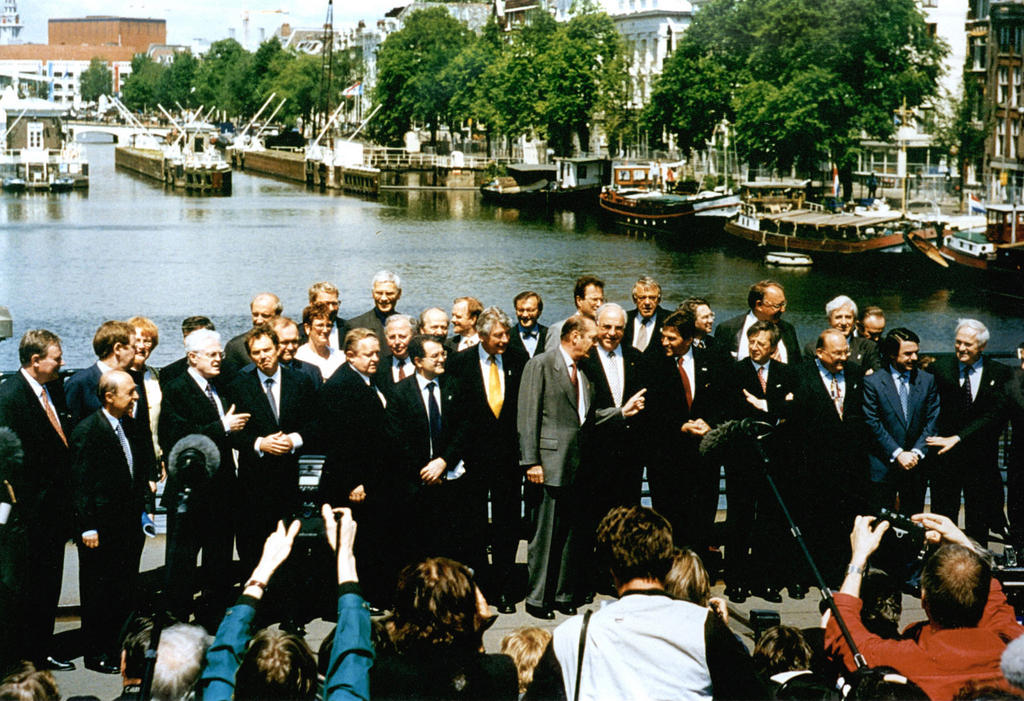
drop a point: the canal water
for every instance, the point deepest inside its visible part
(127, 247)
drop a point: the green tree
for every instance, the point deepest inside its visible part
(222, 78)
(95, 80)
(296, 77)
(141, 86)
(959, 131)
(177, 82)
(408, 65)
(800, 79)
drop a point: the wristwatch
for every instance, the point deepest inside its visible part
(854, 569)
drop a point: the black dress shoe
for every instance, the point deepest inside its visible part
(567, 609)
(541, 612)
(588, 598)
(101, 664)
(797, 591)
(56, 665)
(737, 595)
(771, 594)
(505, 604)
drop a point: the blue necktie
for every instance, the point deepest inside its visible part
(904, 391)
(433, 418)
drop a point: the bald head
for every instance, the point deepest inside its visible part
(117, 393)
(832, 350)
(264, 307)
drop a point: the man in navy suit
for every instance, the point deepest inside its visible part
(489, 375)
(32, 542)
(110, 471)
(973, 415)
(288, 342)
(901, 407)
(529, 335)
(643, 323)
(114, 346)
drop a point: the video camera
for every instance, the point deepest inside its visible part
(908, 532)
(311, 468)
(1006, 569)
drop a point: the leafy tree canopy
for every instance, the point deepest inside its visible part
(95, 80)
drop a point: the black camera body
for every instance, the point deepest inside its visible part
(905, 535)
(310, 470)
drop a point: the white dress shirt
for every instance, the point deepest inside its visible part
(485, 370)
(642, 323)
(451, 473)
(467, 341)
(275, 391)
(396, 366)
(529, 340)
(975, 376)
(690, 370)
(614, 370)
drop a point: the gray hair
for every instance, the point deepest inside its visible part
(179, 660)
(386, 276)
(610, 307)
(489, 317)
(979, 329)
(839, 302)
(397, 318)
(200, 339)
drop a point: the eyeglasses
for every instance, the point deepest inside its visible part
(777, 307)
(212, 355)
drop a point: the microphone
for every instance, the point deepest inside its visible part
(721, 437)
(193, 452)
(11, 457)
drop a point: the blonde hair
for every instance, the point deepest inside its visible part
(525, 646)
(687, 579)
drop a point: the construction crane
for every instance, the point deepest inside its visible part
(327, 65)
(245, 21)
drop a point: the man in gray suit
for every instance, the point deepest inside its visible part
(555, 410)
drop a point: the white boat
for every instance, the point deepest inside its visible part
(35, 146)
(796, 260)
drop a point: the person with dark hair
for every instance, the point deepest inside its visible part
(704, 321)
(588, 296)
(969, 620)
(32, 542)
(110, 473)
(783, 659)
(288, 343)
(767, 302)
(174, 370)
(643, 322)
(881, 683)
(436, 628)
(676, 649)
(327, 293)
(684, 400)
(882, 604)
(114, 345)
(871, 324)
(528, 334)
(280, 665)
(901, 408)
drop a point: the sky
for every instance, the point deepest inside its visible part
(188, 20)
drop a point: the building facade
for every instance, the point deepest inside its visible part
(135, 33)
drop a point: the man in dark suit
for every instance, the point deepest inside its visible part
(113, 344)
(398, 331)
(288, 342)
(174, 370)
(555, 406)
(841, 313)
(704, 317)
(110, 471)
(282, 404)
(759, 558)
(488, 393)
(529, 334)
(1014, 389)
(684, 401)
(358, 469)
(263, 308)
(871, 324)
(643, 323)
(901, 407)
(434, 322)
(423, 421)
(767, 302)
(972, 416)
(588, 296)
(32, 557)
(194, 404)
(386, 288)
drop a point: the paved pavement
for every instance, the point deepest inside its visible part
(802, 614)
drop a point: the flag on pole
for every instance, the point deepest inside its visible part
(974, 204)
(835, 182)
(354, 90)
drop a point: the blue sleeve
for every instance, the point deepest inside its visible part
(931, 417)
(348, 675)
(217, 682)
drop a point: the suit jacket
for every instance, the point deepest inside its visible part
(173, 371)
(548, 419)
(80, 392)
(727, 338)
(109, 497)
(367, 320)
(488, 444)
(654, 342)
(186, 409)
(780, 391)
(385, 378)
(632, 380)
(42, 485)
(353, 426)
(272, 480)
(516, 341)
(979, 424)
(665, 407)
(308, 369)
(409, 429)
(235, 353)
(884, 416)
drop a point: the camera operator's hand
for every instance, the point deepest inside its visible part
(433, 471)
(941, 528)
(234, 422)
(276, 444)
(907, 460)
(864, 538)
(275, 551)
(945, 443)
(344, 549)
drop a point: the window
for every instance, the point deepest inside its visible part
(1004, 85)
(1014, 133)
(35, 134)
(1000, 136)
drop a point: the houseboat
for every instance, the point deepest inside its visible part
(35, 147)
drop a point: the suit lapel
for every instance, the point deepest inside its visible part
(562, 377)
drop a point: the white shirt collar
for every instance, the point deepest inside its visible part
(200, 380)
(104, 368)
(276, 377)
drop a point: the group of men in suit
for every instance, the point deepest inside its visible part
(433, 439)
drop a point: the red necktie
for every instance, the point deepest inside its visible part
(573, 378)
(686, 384)
(762, 380)
(52, 416)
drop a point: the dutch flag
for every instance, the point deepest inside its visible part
(353, 90)
(975, 205)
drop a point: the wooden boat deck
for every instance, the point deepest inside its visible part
(819, 219)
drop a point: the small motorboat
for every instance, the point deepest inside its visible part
(64, 183)
(14, 184)
(793, 260)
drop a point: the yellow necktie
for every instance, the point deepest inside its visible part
(494, 396)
